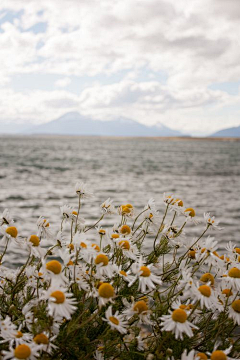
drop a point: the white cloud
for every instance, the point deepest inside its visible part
(63, 82)
(194, 42)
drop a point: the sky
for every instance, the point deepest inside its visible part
(173, 62)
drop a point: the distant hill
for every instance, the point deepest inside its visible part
(230, 132)
(75, 124)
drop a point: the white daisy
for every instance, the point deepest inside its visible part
(177, 323)
(83, 190)
(232, 279)
(53, 271)
(6, 218)
(189, 356)
(211, 221)
(43, 228)
(60, 302)
(46, 341)
(145, 276)
(107, 207)
(139, 308)
(234, 311)
(116, 321)
(29, 351)
(205, 295)
(105, 293)
(103, 266)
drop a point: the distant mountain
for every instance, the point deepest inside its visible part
(75, 124)
(230, 132)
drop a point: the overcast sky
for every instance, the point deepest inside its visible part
(176, 61)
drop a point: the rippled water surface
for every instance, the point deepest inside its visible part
(38, 174)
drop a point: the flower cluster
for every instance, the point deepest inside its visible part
(138, 290)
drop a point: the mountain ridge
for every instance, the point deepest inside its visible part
(228, 132)
(73, 123)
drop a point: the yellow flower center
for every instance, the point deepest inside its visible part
(122, 272)
(70, 263)
(101, 258)
(74, 212)
(227, 292)
(237, 250)
(186, 307)
(129, 206)
(22, 351)
(114, 320)
(102, 231)
(54, 266)
(125, 209)
(207, 277)
(40, 274)
(201, 356)
(114, 236)
(106, 290)
(96, 247)
(125, 230)
(12, 231)
(41, 339)
(34, 239)
(59, 296)
(71, 246)
(145, 271)
(179, 315)
(192, 254)
(205, 290)
(124, 244)
(236, 306)
(179, 202)
(234, 273)
(140, 306)
(83, 245)
(45, 224)
(191, 212)
(19, 334)
(218, 355)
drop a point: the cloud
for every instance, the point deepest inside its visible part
(194, 42)
(63, 82)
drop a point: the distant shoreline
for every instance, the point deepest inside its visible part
(156, 138)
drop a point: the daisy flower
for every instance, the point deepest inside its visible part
(9, 233)
(29, 351)
(69, 215)
(188, 356)
(232, 279)
(220, 354)
(205, 295)
(83, 191)
(190, 215)
(107, 207)
(60, 302)
(145, 276)
(43, 228)
(105, 293)
(139, 308)
(129, 250)
(234, 311)
(104, 267)
(33, 245)
(168, 199)
(177, 323)
(116, 321)
(211, 222)
(207, 250)
(53, 270)
(126, 210)
(45, 341)
(6, 219)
